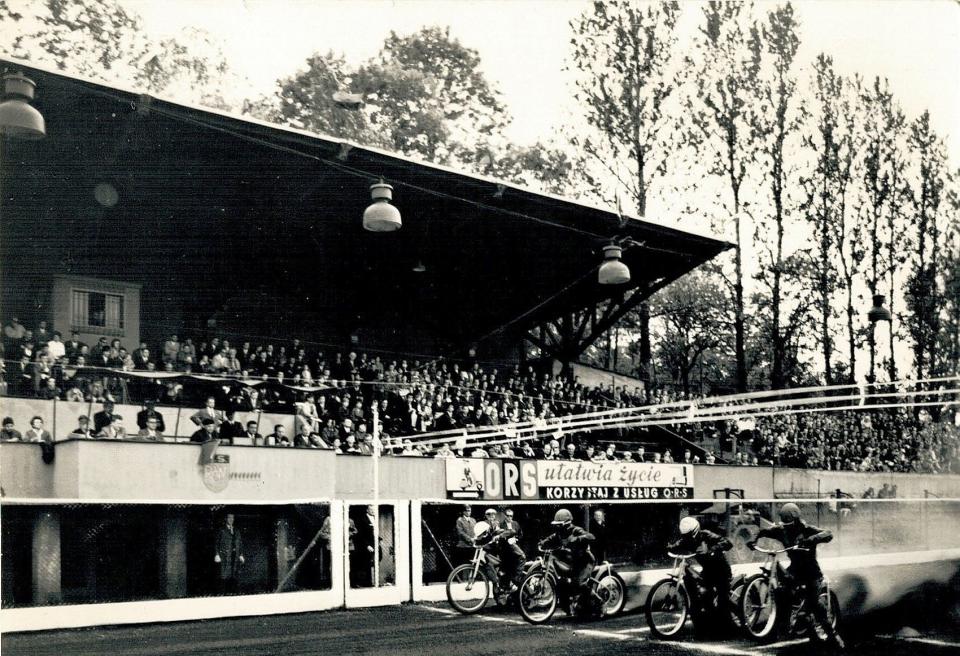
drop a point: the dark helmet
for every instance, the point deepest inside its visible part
(562, 518)
(789, 513)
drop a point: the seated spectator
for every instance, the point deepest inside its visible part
(74, 347)
(50, 391)
(627, 457)
(151, 431)
(83, 428)
(304, 438)
(56, 349)
(611, 453)
(207, 431)
(251, 434)
(114, 430)
(8, 432)
(142, 359)
(74, 394)
(350, 446)
(443, 452)
(330, 432)
(230, 429)
(278, 437)
(150, 412)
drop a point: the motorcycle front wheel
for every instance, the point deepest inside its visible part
(538, 598)
(758, 608)
(468, 592)
(667, 608)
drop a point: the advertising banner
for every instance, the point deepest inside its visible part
(563, 480)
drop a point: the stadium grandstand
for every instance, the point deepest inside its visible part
(199, 334)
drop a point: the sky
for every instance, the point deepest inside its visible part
(524, 44)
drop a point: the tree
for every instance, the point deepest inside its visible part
(776, 122)
(882, 167)
(694, 315)
(924, 298)
(427, 91)
(624, 55)
(728, 60)
(105, 41)
(305, 101)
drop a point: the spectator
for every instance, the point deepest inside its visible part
(103, 418)
(55, 347)
(50, 390)
(228, 555)
(251, 434)
(208, 411)
(171, 349)
(83, 429)
(278, 437)
(207, 431)
(600, 533)
(463, 552)
(230, 429)
(74, 347)
(151, 431)
(150, 412)
(9, 433)
(114, 430)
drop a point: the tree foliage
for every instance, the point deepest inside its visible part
(101, 39)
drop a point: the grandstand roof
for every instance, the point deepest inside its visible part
(213, 206)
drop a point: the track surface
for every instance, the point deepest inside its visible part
(421, 629)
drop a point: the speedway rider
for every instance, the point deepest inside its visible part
(501, 542)
(803, 570)
(709, 548)
(575, 541)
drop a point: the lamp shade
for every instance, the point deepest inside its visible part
(381, 216)
(878, 312)
(613, 271)
(18, 118)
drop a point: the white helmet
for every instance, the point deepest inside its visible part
(689, 525)
(480, 528)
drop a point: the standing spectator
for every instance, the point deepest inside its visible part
(464, 548)
(600, 532)
(171, 349)
(103, 418)
(229, 555)
(8, 432)
(209, 411)
(511, 524)
(366, 550)
(150, 412)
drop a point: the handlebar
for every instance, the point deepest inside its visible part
(683, 556)
(774, 552)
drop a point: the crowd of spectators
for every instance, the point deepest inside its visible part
(333, 396)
